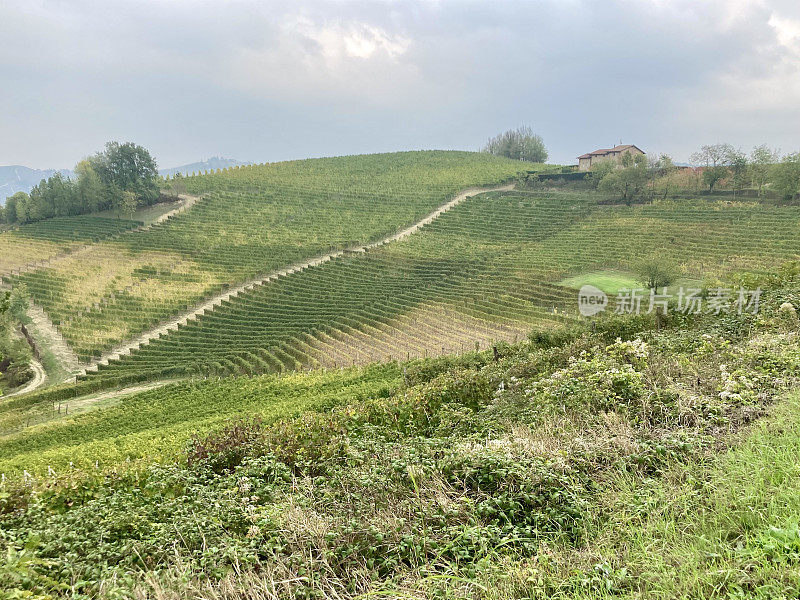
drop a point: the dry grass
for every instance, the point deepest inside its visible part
(17, 252)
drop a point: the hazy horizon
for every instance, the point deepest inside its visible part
(269, 81)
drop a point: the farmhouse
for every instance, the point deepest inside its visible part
(587, 161)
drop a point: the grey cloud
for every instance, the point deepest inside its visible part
(276, 80)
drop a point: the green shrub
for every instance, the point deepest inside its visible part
(226, 448)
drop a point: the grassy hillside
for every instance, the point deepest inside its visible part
(630, 457)
(725, 525)
(486, 270)
(549, 472)
(250, 221)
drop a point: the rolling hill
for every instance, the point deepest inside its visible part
(366, 376)
(488, 269)
(249, 222)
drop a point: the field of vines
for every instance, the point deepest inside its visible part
(166, 417)
(37, 242)
(484, 271)
(249, 222)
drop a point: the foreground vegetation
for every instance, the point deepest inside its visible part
(15, 353)
(530, 473)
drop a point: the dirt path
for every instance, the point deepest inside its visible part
(39, 377)
(188, 202)
(215, 301)
(84, 403)
(46, 334)
(435, 214)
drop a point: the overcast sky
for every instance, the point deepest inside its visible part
(266, 81)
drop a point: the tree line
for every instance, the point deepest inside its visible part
(639, 177)
(764, 169)
(123, 177)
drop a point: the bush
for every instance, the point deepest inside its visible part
(518, 144)
(225, 449)
(788, 316)
(551, 338)
(424, 370)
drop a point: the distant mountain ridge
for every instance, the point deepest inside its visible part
(16, 178)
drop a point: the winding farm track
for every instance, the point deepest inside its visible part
(215, 301)
(188, 202)
(39, 377)
(48, 332)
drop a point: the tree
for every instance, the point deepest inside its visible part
(713, 175)
(126, 205)
(713, 155)
(655, 274)
(715, 158)
(662, 170)
(738, 169)
(53, 197)
(22, 204)
(11, 206)
(94, 195)
(18, 303)
(177, 186)
(600, 170)
(762, 159)
(786, 176)
(518, 144)
(629, 181)
(129, 168)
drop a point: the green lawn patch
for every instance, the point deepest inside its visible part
(610, 281)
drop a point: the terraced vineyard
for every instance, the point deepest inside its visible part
(484, 271)
(37, 242)
(250, 221)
